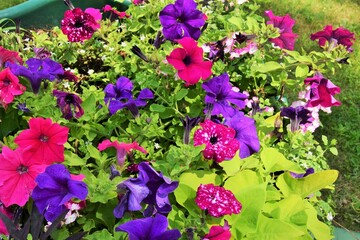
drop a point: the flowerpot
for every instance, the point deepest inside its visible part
(48, 13)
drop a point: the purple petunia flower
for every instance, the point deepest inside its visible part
(297, 115)
(181, 19)
(119, 96)
(287, 38)
(37, 70)
(55, 187)
(189, 123)
(69, 104)
(219, 94)
(149, 228)
(301, 175)
(245, 133)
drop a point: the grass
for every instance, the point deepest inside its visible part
(9, 3)
(343, 123)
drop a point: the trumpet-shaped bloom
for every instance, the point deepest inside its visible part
(149, 228)
(55, 187)
(9, 87)
(219, 139)
(108, 8)
(44, 141)
(334, 37)
(9, 56)
(188, 61)
(69, 103)
(220, 94)
(301, 175)
(297, 115)
(246, 133)
(287, 38)
(181, 19)
(17, 176)
(80, 25)
(217, 200)
(121, 149)
(219, 232)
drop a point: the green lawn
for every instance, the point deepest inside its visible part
(9, 3)
(343, 123)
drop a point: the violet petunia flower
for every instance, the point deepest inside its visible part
(297, 115)
(219, 94)
(119, 96)
(69, 103)
(55, 187)
(181, 19)
(287, 38)
(340, 36)
(37, 70)
(301, 175)
(149, 228)
(246, 133)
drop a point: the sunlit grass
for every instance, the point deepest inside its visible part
(9, 3)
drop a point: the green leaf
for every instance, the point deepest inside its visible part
(301, 71)
(320, 230)
(181, 94)
(101, 188)
(268, 67)
(72, 159)
(274, 161)
(325, 140)
(103, 234)
(334, 151)
(232, 166)
(291, 210)
(157, 108)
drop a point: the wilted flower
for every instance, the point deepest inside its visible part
(69, 103)
(217, 200)
(9, 87)
(219, 232)
(181, 19)
(9, 56)
(219, 139)
(287, 38)
(189, 62)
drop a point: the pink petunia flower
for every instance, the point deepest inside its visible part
(287, 38)
(9, 56)
(219, 232)
(340, 36)
(80, 25)
(9, 214)
(44, 141)
(188, 60)
(108, 8)
(217, 200)
(321, 92)
(17, 176)
(219, 139)
(121, 149)
(9, 87)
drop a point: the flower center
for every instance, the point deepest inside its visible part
(213, 140)
(180, 20)
(78, 24)
(6, 82)
(68, 99)
(44, 138)
(187, 60)
(22, 169)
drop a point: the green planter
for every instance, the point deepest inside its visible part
(48, 13)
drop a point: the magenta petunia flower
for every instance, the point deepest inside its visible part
(181, 19)
(287, 38)
(217, 200)
(108, 8)
(17, 176)
(321, 92)
(44, 141)
(189, 62)
(9, 56)
(9, 87)
(219, 139)
(219, 232)
(334, 37)
(80, 25)
(69, 103)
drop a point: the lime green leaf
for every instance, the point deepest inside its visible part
(291, 210)
(72, 159)
(301, 71)
(269, 67)
(274, 161)
(101, 188)
(320, 230)
(103, 234)
(334, 151)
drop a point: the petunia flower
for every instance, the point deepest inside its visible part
(68, 75)
(188, 61)
(9, 87)
(38, 70)
(181, 19)
(108, 8)
(297, 115)
(340, 36)
(55, 187)
(219, 94)
(9, 56)
(119, 96)
(121, 149)
(189, 123)
(301, 175)
(219, 232)
(219, 139)
(320, 92)
(246, 133)
(149, 228)
(17, 176)
(44, 141)
(287, 38)
(69, 103)
(80, 25)
(42, 53)
(217, 200)
(9, 214)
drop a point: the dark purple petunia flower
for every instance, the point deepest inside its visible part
(181, 19)
(149, 228)
(55, 187)
(22, 107)
(297, 115)
(246, 133)
(135, 192)
(189, 123)
(37, 70)
(334, 37)
(119, 96)
(301, 175)
(69, 104)
(219, 94)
